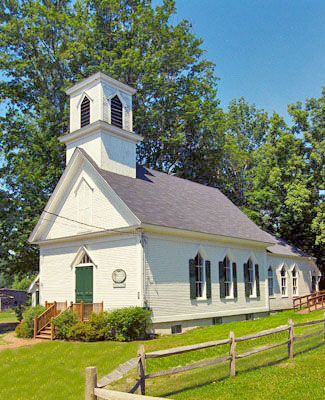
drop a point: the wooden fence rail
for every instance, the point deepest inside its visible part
(93, 392)
(142, 356)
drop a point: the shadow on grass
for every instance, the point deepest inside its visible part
(309, 349)
(268, 364)
(194, 386)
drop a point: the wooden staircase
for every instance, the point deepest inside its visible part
(43, 327)
(310, 302)
(45, 333)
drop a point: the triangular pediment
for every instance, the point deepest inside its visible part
(82, 203)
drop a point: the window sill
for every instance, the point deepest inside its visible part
(285, 296)
(229, 298)
(201, 299)
(272, 297)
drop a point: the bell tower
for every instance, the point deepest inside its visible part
(101, 123)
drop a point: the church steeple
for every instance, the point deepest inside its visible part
(101, 123)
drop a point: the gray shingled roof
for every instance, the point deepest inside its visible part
(165, 200)
(284, 248)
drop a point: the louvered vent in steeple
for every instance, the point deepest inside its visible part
(116, 112)
(85, 112)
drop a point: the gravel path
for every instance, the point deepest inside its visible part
(13, 341)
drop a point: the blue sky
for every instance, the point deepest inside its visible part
(272, 52)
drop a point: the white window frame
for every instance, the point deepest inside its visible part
(229, 284)
(295, 287)
(270, 279)
(251, 283)
(200, 282)
(284, 279)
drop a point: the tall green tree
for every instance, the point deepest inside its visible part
(47, 45)
(245, 131)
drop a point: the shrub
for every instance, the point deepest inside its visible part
(19, 312)
(26, 327)
(90, 331)
(63, 323)
(127, 324)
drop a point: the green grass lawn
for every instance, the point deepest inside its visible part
(7, 316)
(55, 370)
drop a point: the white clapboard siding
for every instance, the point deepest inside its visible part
(167, 279)
(105, 209)
(304, 271)
(57, 274)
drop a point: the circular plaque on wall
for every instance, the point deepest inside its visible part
(119, 276)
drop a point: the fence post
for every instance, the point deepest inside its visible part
(324, 326)
(232, 354)
(102, 305)
(142, 368)
(291, 338)
(91, 383)
(45, 304)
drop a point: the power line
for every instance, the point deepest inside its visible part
(82, 223)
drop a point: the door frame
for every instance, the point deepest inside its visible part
(75, 279)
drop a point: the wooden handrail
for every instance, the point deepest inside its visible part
(306, 297)
(44, 319)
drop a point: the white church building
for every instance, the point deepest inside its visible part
(125, 235)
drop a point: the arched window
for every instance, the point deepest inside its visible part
(270, 282)
(200, 278)
(228, 277)
(294, 281)
(251, 278)
(199, 275)
(116, 112)
(85, 112)
(284, 283)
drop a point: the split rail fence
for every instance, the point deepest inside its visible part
(94, 389)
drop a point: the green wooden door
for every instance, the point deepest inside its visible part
(84, 284)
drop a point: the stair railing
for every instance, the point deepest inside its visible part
(307, 300)
(45, 318)
(317, 302)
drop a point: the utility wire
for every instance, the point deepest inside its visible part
(83, 223)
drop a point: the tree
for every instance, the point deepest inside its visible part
(245, 131)
(46, 46)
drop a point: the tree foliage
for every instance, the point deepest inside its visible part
(46, 46)
(273, 171)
